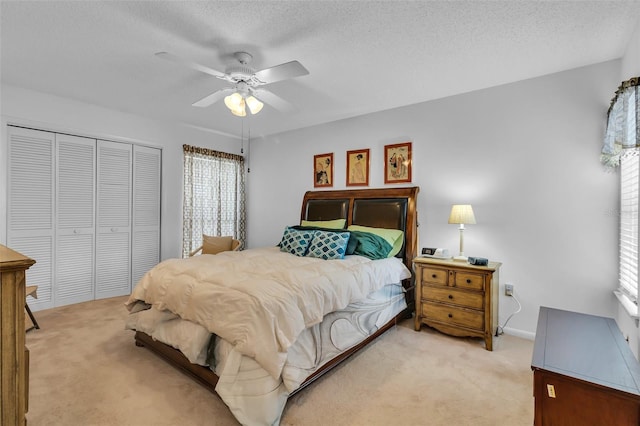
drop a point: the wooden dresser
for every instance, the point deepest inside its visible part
(14, 369)
(584, 372)
(457, 298)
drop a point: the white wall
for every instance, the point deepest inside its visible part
(631, 59)
(47, 112)
(630, 68)
(525, 155)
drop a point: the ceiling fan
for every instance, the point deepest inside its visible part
(246, 83)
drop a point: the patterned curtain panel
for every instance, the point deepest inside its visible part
(623, 124)
(214, 196)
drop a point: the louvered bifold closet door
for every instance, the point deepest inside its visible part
(147, 164)
(30, 207)
(113, 249)
(75, 219)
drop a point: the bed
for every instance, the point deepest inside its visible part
(280, 357)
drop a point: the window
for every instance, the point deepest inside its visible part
(620, 148)
(214, 196)
(629, 179)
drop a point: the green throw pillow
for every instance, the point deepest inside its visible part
(394, 237)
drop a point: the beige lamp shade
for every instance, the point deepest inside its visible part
(463, 214)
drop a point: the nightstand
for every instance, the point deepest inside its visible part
(457, 298)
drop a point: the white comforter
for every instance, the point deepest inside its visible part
(260, 300)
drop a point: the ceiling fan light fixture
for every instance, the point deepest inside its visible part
(235, 102)
(255, 106)
(240, 111)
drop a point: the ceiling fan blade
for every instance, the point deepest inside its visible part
(281, 72)
(213, 98)
(190, 64)
(274, 100)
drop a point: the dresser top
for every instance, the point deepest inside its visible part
(11, 260)
(585, 347)
(450, 263)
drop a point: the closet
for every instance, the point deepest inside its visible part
(87, 210)
(74, 224)
(113, 219)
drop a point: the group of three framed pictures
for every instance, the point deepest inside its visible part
(397, 166)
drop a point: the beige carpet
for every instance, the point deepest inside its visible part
(85, 370)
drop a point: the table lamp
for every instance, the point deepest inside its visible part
(462, 214)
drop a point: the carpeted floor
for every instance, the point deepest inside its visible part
(85, 370)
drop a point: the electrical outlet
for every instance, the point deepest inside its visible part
(508, 289)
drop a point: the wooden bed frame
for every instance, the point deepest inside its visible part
(393, 208)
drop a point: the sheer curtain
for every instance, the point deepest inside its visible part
(214, 196)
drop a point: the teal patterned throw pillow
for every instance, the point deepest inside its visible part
(328, 245)
(295, 241)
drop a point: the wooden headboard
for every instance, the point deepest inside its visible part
(392, 208)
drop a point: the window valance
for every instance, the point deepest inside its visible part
(623, 124)
(211, 153)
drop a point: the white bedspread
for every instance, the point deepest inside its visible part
(260, 300)
(253, 396)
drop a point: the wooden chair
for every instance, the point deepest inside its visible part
(235, 246)
(31, 290)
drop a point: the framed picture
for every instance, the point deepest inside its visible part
(397, 163)
(323, 170)
(358, 167)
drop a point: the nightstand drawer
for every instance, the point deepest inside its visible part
(461, 298)
(435, 276)
(469, 281)
(454, 316)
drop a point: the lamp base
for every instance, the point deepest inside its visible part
(460, 258)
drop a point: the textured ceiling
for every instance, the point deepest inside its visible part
(363, 56)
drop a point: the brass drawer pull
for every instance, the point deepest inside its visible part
(434, 276)
(450, 315)
(468, 281)
(451, 296)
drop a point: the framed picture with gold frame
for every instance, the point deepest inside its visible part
(397, 163)
(323, 170)
(358, 167)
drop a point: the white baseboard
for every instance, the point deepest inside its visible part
(520, 333)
